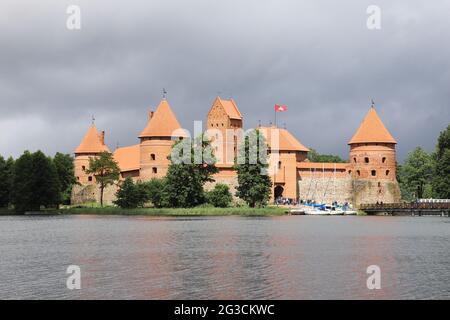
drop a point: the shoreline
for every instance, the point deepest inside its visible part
(159, 212)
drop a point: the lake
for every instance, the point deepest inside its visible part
(288, 257)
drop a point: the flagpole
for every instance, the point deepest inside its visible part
(275, 116)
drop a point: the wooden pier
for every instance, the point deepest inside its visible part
(408, 209)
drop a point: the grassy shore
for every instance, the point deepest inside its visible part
(178, 212)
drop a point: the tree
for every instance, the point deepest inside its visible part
(66, 175)
(415, 175)
(35, 182)
(314, 156)
(6, 174)
(254, 184)
(220, 196)
(441, 176)
(154, 191)
(128, 196)
(192, 165)
(105, 170)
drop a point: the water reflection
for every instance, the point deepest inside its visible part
(224, 258)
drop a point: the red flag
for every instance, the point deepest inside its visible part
(280, 108)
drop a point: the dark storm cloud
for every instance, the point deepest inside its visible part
(317, 57)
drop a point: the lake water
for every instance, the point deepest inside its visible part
(291, 257)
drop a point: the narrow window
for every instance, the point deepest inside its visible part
(90, 179)
(153, 156)
(349, 171)
(154, 170)
(279, 164)
(358, 172)
(366, 159)
(354, 160)
(383, 159)
(83, 167)
(387, 172)
(374, 173)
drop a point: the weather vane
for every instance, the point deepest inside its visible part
(373, 103)
(164, 93)
(93, 119)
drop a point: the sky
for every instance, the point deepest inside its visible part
(317, 57)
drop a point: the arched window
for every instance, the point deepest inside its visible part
(89, 178)
(374, 173)
(387, 172)
(366, 159)
(153, 157)
(354, 160)
(83, 168)
(350, 172)
(383, 159)
(154, 170)
(358, 172)
(279, 164)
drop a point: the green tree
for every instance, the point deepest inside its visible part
(441, 174)
(128, 195)
(35, 182)
(254, 184)
(415, 175)
(314, 156)
(220, 196)
(6, 173)
(154, 191)
(192, 165)
(105, 170)
(66, 175)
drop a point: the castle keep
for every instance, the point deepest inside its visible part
(368, 177)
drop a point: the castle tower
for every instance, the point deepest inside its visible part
(92, 144)
(157, 139)
(225, 119)
(373, 162)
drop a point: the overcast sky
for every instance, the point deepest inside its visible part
(317, 57)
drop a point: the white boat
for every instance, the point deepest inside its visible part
(350, 212)
(317, 212)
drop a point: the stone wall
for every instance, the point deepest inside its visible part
(370, 191)
(326, 190)
(91, 193)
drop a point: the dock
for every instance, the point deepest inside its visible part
(408, 209)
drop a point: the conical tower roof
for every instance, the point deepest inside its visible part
(372, 130)
(163, 123)
(92, 142)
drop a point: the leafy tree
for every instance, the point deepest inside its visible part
(192, 165)
(154, 191)
(314, 156)
(105, 170)
(66, 175)
(220, 196)
(35, 182)
(6, 174)
(254, 184)
(441, 177)
(415, 175)
(128, 196)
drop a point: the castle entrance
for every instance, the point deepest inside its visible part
(278, 192)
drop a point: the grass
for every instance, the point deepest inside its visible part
(177, 212)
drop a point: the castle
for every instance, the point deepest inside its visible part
(368, 177)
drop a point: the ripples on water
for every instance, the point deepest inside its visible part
(224, 257)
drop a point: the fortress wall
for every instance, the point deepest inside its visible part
(91, 193)
(372, 191)
(339, 189)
